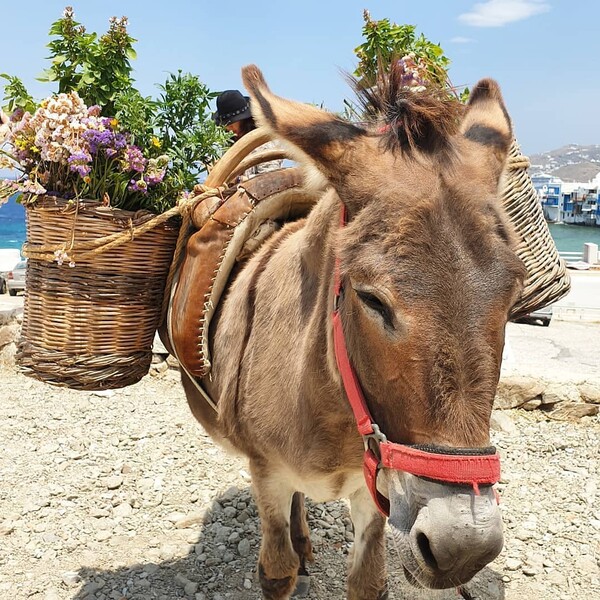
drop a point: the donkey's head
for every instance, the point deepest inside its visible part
(430, 274)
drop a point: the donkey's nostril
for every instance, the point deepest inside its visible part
(425, 549)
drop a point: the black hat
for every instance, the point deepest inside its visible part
(232, 106)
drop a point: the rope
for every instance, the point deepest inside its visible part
(514, 163)
(91, 248)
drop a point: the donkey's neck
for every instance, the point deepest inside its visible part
(319, 251)
(273, 348)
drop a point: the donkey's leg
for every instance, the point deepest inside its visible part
(278, 562)
(300, 535)
(367, 575)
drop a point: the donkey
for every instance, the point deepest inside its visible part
(381, 316)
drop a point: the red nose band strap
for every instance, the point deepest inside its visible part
(449, 468)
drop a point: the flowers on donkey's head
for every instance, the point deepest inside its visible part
(414, 73)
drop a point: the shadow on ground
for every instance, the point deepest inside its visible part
(221, 558)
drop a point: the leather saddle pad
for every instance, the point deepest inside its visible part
(232, 229)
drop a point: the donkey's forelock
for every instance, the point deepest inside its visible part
(424, 120)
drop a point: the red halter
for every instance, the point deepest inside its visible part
(471, 466)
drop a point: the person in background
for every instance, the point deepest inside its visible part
(233, 113)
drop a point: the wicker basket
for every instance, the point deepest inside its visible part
(547, 277)
(90, 325)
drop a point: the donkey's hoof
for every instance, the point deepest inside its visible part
(302, 586)
(274, 589)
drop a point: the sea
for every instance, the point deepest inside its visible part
(12, 224)
(568, 238)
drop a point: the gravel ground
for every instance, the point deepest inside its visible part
(120, 495)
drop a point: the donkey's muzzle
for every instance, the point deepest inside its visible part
(445, 534)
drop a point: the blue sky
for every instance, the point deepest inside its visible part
(544, 53)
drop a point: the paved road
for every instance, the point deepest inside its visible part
(582, 303)
(564, 351)
(7, 301)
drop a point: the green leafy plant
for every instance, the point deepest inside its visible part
(385, 41)
(98, 137)
(97, 68)
(185, 126)
(16, 95)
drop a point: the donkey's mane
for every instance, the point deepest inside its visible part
(409, 120)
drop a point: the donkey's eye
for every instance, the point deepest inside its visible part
(375, 303)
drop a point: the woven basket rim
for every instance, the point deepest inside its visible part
(98, 208)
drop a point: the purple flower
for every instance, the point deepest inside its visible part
(134, 160)
(155, 178)
(97, 139)
(79, 163)
(138, 185)
(94, 111)
(119, 141)
(110, 141)
(17, 115)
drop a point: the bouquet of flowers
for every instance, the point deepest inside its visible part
(100, 171)
(98, 138)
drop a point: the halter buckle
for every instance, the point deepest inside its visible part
(377, 436)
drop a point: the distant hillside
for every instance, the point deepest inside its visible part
(570, 163)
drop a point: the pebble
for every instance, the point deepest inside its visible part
(119, 505)
(71, 578)
(244, 548)
(114, 482)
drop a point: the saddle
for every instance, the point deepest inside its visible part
(228, 229)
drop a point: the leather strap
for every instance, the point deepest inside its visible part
(193, 300)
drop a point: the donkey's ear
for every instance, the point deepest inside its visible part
(322, 137)
(487, 125)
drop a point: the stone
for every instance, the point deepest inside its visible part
(530, 570)
(71, 578)
(569, 411)
(556, 578)
(122, 510)
(590, 392)
(560, 392)
(172, 362)
(195, 518)
(175, 517)
(190, 588)
(114, 482)
(587, 564)
(6, 527)
(501, 421)
(9, 334)
(514, 391)
(8, 355)
(531, 404)
(244, 547)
